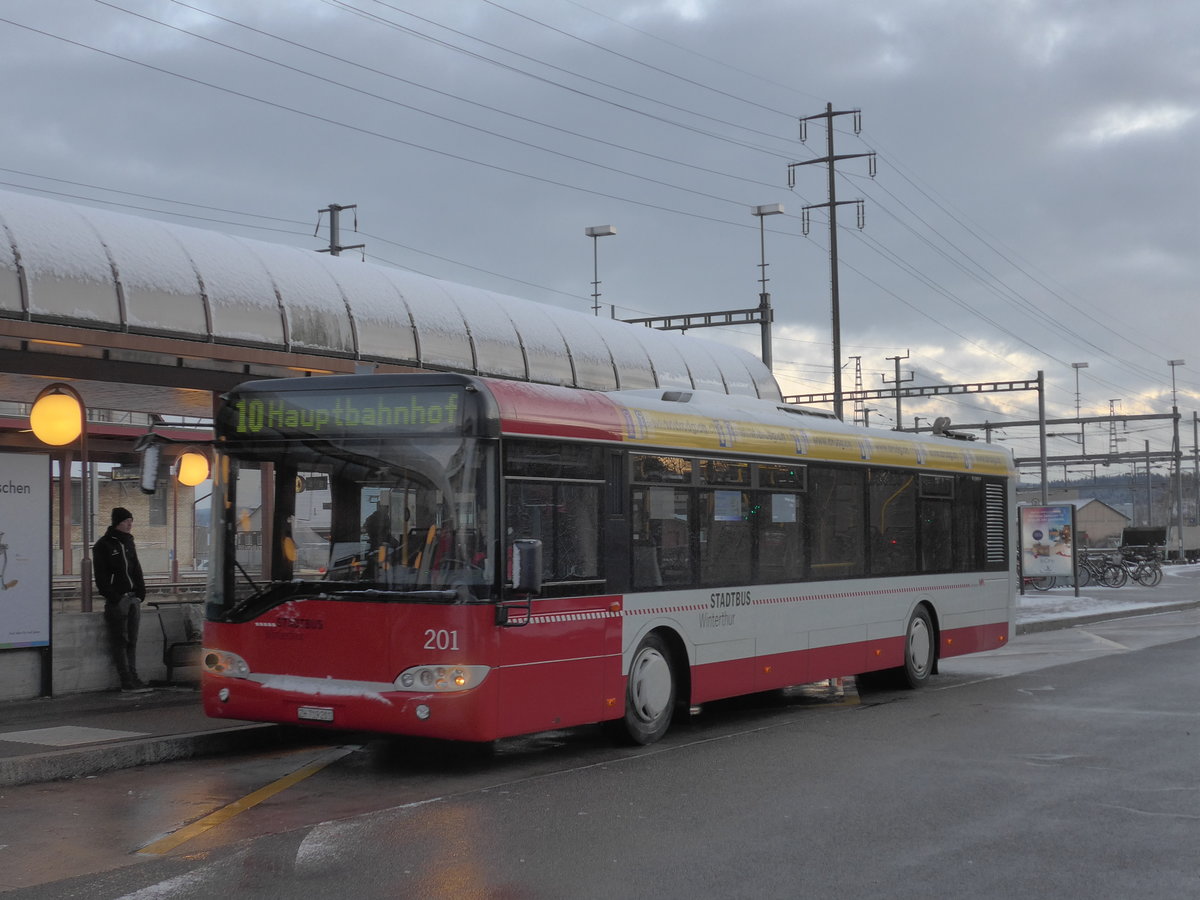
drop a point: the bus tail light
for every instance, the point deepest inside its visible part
(441, 679)
(222, 662)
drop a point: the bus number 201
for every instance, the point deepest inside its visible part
(440, 639)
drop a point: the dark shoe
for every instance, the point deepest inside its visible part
(135, 687)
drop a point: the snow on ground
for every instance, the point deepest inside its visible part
(1180, 584)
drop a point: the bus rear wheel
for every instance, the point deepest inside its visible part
(920, 644)
(650, 692)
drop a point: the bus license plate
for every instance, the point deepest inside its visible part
(315, 713)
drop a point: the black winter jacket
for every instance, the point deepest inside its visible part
(116, 567)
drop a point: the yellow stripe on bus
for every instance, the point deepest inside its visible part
(702, 433)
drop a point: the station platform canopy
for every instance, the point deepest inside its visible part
(128, 303)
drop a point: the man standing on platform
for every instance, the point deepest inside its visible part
(119, 579)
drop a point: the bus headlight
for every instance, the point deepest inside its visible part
(441, 679)
(222, 662)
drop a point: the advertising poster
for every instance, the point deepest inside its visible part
(1047, 547)
(24, 550)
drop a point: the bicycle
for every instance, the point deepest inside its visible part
(1099, 567)
(1145, 570)
(1041, 582)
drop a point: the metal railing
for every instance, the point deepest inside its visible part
(65, 593)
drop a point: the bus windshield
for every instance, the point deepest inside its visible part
(366, 519)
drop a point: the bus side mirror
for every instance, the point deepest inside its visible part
(151, 451)
(527, 566)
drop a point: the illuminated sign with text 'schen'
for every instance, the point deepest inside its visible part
(331, 414)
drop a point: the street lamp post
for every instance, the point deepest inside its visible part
(1178, 459)
(191, 469)
(764, 298)
(1196, 466)
(57, 418)
(1082, 440)
(175, 528)
(597, 231)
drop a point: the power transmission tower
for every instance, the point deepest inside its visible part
(832, 204)
(1112, 427)
(898, 381)
(335, 248)
(859, 406)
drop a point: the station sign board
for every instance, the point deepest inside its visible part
(1047, 540)
(24, 550)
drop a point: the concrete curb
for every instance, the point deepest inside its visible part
(76, 762)
(1072, 621)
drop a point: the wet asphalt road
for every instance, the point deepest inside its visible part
(1064, 765)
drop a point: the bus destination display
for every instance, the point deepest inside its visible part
(434, 410)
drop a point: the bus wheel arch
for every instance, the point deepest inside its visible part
(656, 685)
(680, 665)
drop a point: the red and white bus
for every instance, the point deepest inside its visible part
(458, 557)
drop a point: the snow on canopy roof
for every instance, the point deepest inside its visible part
(68, 264)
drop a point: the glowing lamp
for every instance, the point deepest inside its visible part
(56, 418)
(193, 468)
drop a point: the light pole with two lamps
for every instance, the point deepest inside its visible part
(764, 298)
(1082, 440)
(1177, 457)
(597, 231)
(57, 418)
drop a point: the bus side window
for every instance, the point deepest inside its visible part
(780, 539)
(645, 565)
(836, 514)
(725, 554)
(936, 519)
(661, 537)
(891, 515)
(566, 519)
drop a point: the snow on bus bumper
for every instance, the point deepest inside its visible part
(441, 701)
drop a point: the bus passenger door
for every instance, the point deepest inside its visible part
(552, 663)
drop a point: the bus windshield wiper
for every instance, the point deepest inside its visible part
(253, 584)
(267, 595)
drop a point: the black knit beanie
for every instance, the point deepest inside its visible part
(120, 514)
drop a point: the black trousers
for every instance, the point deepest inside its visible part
(122, 618)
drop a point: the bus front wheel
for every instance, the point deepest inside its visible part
(650, 692)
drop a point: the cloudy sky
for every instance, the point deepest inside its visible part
(1035, 201)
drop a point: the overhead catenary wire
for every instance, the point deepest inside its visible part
(983, 278)
(957, 218)
(341, 4)
(655, 206)
(376, 96)
(377, 134)
(456, 97)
